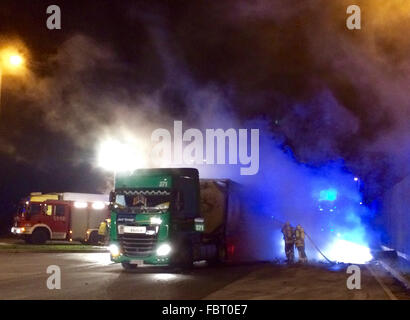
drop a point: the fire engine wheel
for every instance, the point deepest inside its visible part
(93, 239)
(129, 266)
(27, 239)
(39, 236)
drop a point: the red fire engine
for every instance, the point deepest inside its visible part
(61, 216)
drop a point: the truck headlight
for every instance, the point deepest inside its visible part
(114, 250)
(164, 249)
(155, 220)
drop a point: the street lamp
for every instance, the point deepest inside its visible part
(10, 61)
(15, 60)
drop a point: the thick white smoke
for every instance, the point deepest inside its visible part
(355, 99)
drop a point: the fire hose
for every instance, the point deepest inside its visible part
(311, 240)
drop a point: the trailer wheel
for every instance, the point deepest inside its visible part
(39, 236)
(129, 266)
(222, 254)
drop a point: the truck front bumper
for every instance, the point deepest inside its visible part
(118, 256)
(20, 231)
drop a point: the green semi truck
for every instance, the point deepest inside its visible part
(169, 217)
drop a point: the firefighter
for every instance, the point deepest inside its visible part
(104, 231)
(288, 236)
(300, 243)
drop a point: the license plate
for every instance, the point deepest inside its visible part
(131, 229)
(138, 262)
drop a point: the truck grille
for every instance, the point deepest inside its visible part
(138, 245)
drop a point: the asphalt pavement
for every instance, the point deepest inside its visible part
(93, 276)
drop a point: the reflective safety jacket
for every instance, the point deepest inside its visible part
(288, 234)
(299, 237)
(103, 228)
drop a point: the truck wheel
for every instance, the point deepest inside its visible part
(186, 257)
(129, 266)
(39, 236)
(93, 239)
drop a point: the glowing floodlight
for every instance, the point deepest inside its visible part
(116, 156)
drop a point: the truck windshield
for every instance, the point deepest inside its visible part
(143, 200)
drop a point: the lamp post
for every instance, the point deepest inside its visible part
(1, 76)
(9, 61)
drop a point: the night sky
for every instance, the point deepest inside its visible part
(327, 92)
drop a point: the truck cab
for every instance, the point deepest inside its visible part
(155, 218)
(170, 217)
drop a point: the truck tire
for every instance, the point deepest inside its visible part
(129, 266)
(93, 238)
(184, 258)
(39, 236)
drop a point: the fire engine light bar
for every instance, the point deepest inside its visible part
(98, 205)
(80, 205)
